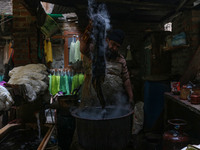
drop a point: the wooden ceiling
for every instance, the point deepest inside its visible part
(149, 11)
(121, 11)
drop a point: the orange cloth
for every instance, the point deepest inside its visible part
(10, 49)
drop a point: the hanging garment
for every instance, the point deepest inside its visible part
(55, 84)
(77, 55)
(77, 81)
(129, 55)
(70, 78)
(63, 85)
(6, 54)
(67, 85)
(10, 50)
(81, 78)
(50, 81)
(1, 78)
(48, 51)
(72, 52)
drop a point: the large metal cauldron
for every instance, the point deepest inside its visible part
(103, 129)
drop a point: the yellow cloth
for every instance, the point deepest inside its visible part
(48, 51)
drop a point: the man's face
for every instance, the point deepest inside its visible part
(112, 49)
(113, 46)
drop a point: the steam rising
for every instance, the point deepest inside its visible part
(101, 24)
(97, 113)
(98, 10)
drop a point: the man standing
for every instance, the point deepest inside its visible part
(116, 86)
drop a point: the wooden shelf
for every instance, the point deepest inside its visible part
(166, 49)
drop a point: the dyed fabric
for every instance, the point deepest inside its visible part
(1, 78)
(81, 79)
(48, 51)
(55, 84)
(6, 54)
(2, 83)
(50, 81)
(77, 81)
(63, 85)
(70, 78)
(72, 52)
(67, 85)
(77, 55)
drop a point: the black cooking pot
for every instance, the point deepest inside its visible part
(103, 129)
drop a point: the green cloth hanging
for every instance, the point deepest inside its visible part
(55, 84)
(70, 78)
(1, 78)
(81, 79)
(50, 81)
(75, 82)
(67, 85)
(63, 84)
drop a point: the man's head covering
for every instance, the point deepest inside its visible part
(116, 35)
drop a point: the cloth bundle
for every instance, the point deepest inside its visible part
(33, 76)
(6, 100)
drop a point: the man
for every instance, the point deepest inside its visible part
(116, 87)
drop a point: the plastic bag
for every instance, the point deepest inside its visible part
(138, 118)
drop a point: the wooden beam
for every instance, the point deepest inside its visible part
(140, 5)
(181, 5)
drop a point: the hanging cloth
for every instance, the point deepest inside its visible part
(50, 82)
(77, 55)
(48, 51)
(1, 78)
(81, 78)
(72, 52)
(55, 84)
(10, 50)
(6, 54)
(75, 83)
(129, 55)
(67, 85)
(70, 78)
(63, 86)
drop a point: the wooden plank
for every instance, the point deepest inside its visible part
(5, 128)
(46, 138)
(66, 53)
(184, 103)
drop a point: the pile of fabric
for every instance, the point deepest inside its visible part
(33, 76)
(6, 100)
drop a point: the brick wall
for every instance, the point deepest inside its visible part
(24, 35)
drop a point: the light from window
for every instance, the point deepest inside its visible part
(168, 27)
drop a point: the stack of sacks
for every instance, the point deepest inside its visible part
(6, 100)
(33, 76)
